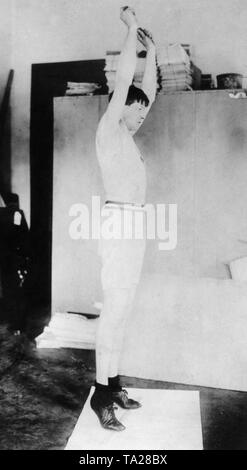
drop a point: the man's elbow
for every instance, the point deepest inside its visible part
(123, 79)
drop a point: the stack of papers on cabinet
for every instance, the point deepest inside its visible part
(67, 330)
(84, 88)
(111, 64)
(174, 68)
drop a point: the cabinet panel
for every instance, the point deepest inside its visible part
(194, 145)
(167, 142)
(220, 181)
(75, 263)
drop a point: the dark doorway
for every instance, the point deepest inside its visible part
(49, 81)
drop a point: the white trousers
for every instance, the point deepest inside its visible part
(122, 261)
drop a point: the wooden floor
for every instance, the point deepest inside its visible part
(223, 412)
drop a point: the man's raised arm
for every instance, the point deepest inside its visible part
(126, 67)
(149, 82)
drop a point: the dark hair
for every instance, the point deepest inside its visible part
(135, 94)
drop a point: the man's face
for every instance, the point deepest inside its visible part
(134, 115)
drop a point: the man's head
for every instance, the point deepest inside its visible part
(134, 111)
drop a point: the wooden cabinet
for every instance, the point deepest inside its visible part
(195, 146)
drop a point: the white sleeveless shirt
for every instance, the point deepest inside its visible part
(122, 166)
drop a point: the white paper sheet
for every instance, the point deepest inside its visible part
(167, 420)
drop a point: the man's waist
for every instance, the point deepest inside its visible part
(125, 205)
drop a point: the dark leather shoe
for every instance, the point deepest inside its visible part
(121, 398)
(106, 415)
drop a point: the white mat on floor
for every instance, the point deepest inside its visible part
(168, 420)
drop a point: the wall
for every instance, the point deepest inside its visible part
(5, 65)
(5, 57)
(64, 30)
(5, 43)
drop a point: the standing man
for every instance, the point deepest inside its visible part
(124, 178)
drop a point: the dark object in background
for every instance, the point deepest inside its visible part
(229, 81)
(14, 265)
(196, 75)
(206, 82)
(11, 199)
